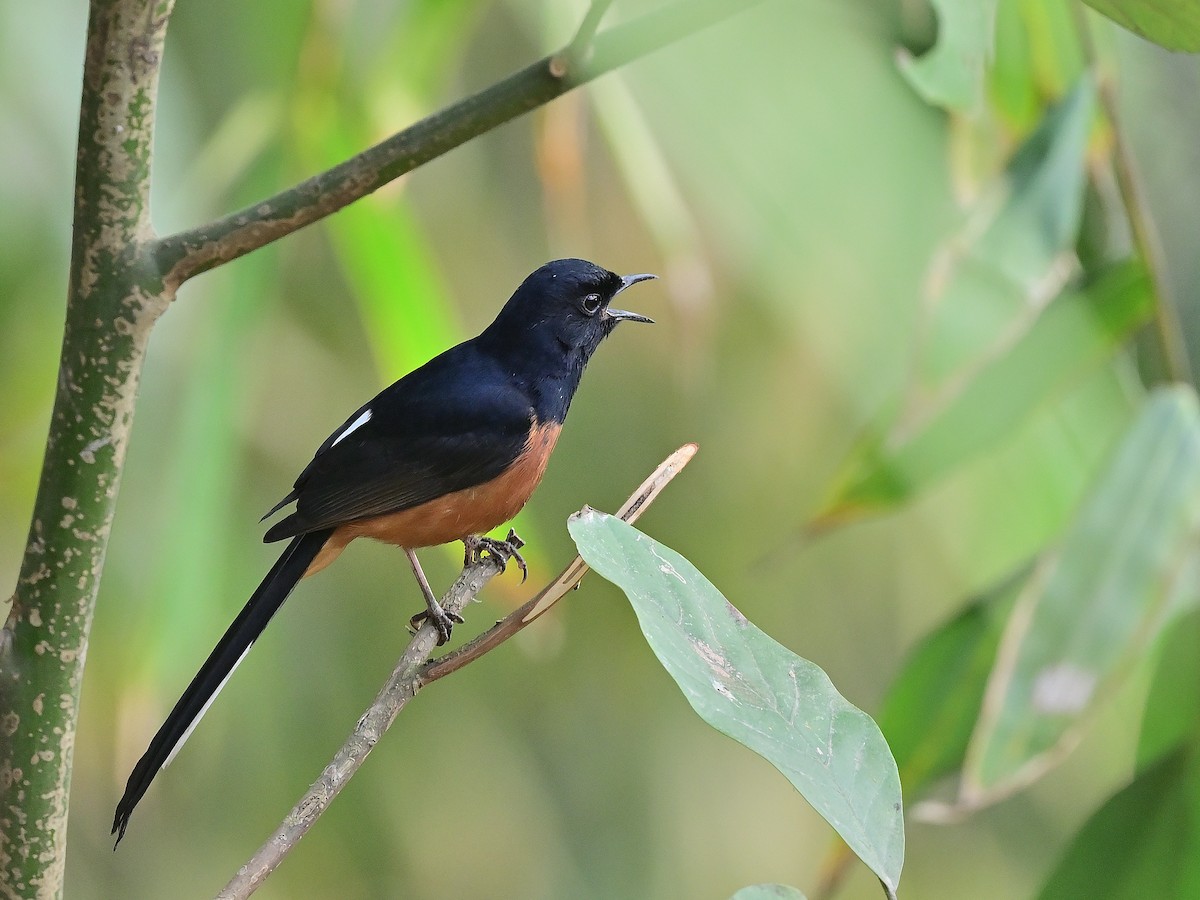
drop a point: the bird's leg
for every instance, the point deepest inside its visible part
(443, 621)
(476, 545)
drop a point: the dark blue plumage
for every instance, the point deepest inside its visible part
(451, 450)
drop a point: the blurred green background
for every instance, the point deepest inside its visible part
(793, 191)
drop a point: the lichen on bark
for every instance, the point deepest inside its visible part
(114, 295)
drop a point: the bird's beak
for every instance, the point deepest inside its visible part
(628, 281)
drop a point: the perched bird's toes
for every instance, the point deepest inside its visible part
(443, 621)
(504, 551)
(516, 556)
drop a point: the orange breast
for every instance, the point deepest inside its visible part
(452, 517)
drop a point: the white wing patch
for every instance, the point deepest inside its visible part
(363, 418)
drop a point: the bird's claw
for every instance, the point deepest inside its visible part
(443, 621)
(503, 551)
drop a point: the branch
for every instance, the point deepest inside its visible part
(408, 677)
(1141, 222)
(111, 305)
(186, 254)
(576, 53)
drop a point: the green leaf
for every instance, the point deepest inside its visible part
(1144, 842)
(768, 892)
(1174, 24)
(1013, 251)
(1172, 713)
(1037, 56)
(755, 690)
(933, 705)
(951, 74)
(1077, 333)
(1093, 609)
(992, 353)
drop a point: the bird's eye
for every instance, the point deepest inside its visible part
(591, 304)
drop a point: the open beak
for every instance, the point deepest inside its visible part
(628, 281)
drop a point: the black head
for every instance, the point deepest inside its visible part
(562, 308)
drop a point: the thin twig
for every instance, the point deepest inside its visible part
(576, 52)
(188, 253)
(408, 677)
(1141, 222)
(560, 586)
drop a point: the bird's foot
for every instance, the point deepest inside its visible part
(443, 621)
(504, 551)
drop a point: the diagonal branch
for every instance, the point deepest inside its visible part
(188, 253)
(409, 676)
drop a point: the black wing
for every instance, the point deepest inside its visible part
(450, 425)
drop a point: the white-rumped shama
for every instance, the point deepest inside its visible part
(448, 452)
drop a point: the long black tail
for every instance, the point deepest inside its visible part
(233, 646)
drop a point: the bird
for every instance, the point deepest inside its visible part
(452, 450)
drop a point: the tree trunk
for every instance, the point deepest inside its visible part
(113, 298)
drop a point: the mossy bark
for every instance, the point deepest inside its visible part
(114, 296)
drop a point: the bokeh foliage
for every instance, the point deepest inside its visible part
(832, 285)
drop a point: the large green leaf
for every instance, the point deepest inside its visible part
(1144, 842)
(1078, 332)
(951, 74)
(933, 704)
(990, 352)
(1096, 606)
(1013, 250)
(755, 690)
(1037, 56)
(1175, 24)
(1172, 713)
